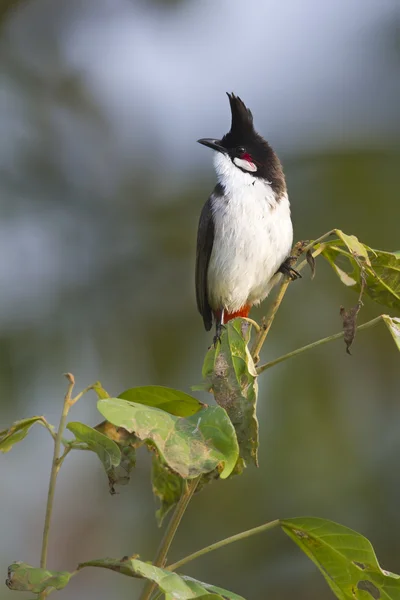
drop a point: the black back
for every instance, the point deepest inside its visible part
(205, 240)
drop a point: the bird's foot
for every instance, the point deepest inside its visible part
(287, 269)
(218, 333)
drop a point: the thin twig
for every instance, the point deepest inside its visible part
(318, 240)
(82, 393)
(169, 535)
(325, 340)
(54, 470)
(230, 540)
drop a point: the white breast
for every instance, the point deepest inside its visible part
(253, 235)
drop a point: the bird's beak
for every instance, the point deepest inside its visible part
(213, 144)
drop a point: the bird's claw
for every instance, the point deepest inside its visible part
(287, 269)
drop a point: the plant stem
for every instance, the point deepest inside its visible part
(261, 337)
(264, 330)
(222, 543)
(325, 340)
(169, 534)
(54, 469)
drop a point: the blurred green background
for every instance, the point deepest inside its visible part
(102, 183)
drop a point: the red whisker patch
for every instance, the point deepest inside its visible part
(247, 156)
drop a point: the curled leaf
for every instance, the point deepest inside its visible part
(107, 450)
(311, 262)
(17, 432)
(24, 578)
(349, 318)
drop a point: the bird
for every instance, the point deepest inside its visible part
(245, 231)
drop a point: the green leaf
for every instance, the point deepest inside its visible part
(174, 586)
(17, 432)
(381, 270)
(393, 324)
(107, 450)
(356, 248)
(189, 445)
(172, 401)
(167, 486)
(24, 578)
(180, 588)
(230, 374)
(345, 558)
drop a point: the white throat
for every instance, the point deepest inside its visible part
(236, 182)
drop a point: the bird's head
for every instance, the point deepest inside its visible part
(244, 148)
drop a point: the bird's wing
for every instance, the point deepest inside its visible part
(205, 240)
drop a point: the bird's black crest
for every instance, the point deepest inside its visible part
(242, 119)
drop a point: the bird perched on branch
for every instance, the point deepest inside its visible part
(245, 232)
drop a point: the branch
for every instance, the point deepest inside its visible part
(54, 469)
(325, 340)
(170, 532)
(57, 461)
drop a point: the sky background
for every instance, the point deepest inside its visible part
(102, 183)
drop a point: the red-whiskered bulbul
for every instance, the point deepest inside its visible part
(245, 231)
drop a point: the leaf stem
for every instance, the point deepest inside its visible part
(49, 428)
(230, 540)
(67, 450)
(54, 469)
(325, 340)
(170, 532)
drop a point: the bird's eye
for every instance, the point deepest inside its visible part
(240, 150)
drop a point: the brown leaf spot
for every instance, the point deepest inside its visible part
(301, 534)
(370, 588)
